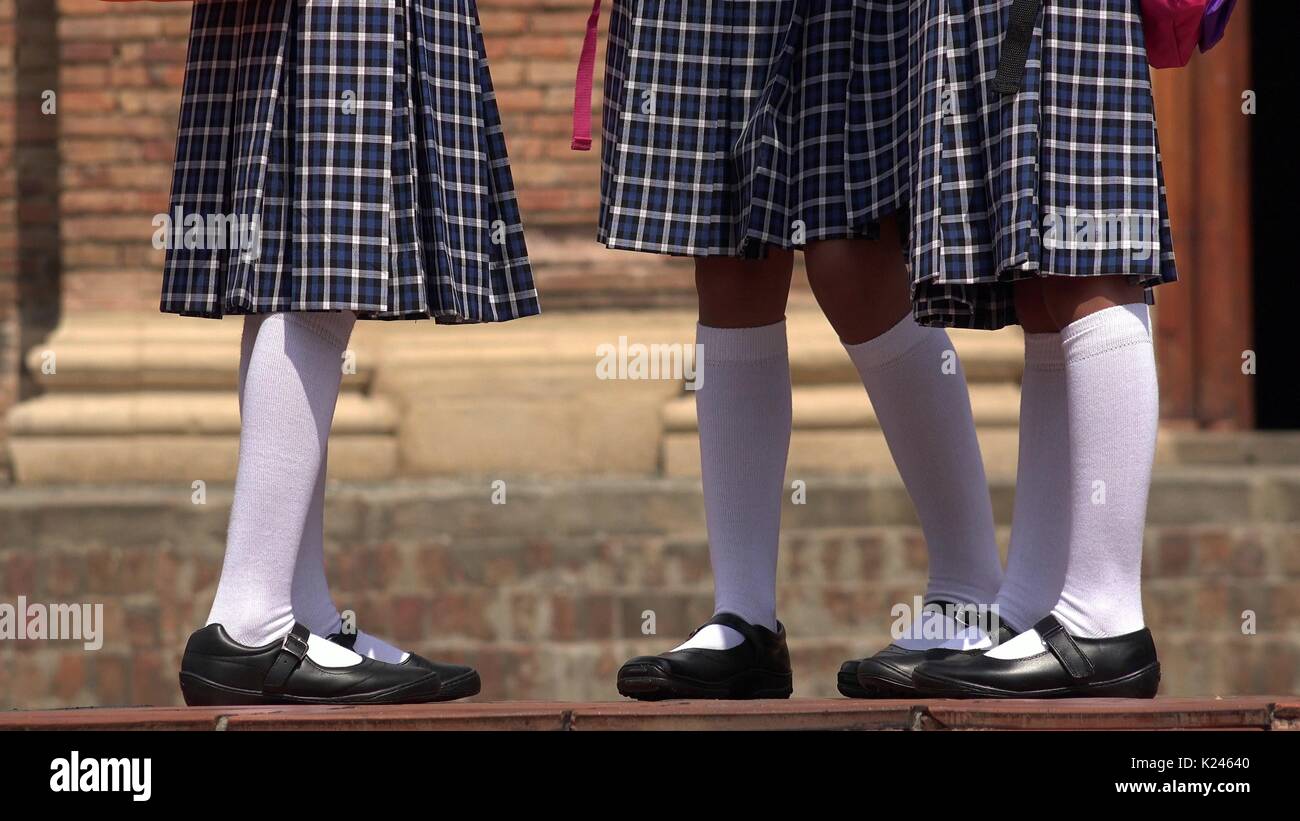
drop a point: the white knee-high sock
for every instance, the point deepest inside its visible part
(744, 416)
(1040, 524)
(1110, 372)
(925, 415)
(312, 603)
(1113, 400)
(290, 386)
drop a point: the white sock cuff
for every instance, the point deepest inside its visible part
(333, 327)
(892, 345)
(743, 344)
(1044, 352)
(1108, 330)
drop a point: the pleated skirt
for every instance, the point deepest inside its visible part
(732, 126)
(354, 150)
(1063, 178)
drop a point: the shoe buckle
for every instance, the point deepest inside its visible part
(295, 645)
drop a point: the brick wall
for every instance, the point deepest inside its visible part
(546, 594)
(29, 237)
(10, 351)
(119, 82)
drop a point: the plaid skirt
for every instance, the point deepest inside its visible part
(1061, 179)
(354, 150)
(734, 125)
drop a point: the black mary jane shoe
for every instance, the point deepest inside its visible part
(1068, 667)
(219, 671)
(757, 668)
(458, 681)
(888, 674)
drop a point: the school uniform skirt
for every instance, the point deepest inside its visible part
(731, 126)
(1062, 178)
(357, 146)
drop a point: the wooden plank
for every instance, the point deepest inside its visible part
(1244, 713)
(1286, 714)
(1249, 713)
(1224, 315)
(1174, 328)
(123, 718)
(793, 714)
(457, 716)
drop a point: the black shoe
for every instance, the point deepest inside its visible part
(888, 674)
(458, 681)
(758, 668)
(218, 671)
(1068, 667)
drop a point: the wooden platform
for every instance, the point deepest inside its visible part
(1245, 713)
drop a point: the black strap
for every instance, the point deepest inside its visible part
(744, 628)
(348, 640)
(1015, 46)
(287, 660)
(1062, 645)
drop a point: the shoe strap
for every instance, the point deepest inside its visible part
(742, 627)
(1062, 645)
(292, 651)
(348, 640)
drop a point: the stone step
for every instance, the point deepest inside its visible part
(836, 431)
(152, 436)
(1226, 448)
(116, 352)
(430, 510)
(847, 407)
(520, 398)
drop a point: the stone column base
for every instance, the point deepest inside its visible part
(152, 399)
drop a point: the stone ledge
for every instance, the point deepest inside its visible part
(63, 438)
(181, 458)
(139, 398)
(836, 407)
(155, 413)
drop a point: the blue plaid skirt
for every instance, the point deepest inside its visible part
(734, 125)
(354, 150)
(1061, 179)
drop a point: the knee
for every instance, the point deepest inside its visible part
(837, 263)
(742, 293)
(1069, 299)
(1032, 310)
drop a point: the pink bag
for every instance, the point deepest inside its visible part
(1175, 27)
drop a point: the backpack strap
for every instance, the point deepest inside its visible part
(1015, 46)
(586, 77)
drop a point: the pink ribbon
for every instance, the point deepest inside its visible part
(586, 77)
